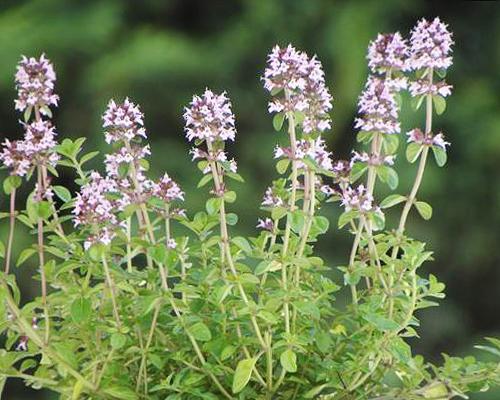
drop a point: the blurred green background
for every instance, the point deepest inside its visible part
(160, 52)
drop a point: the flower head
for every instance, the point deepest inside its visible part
(168, 190)
(272, 199)
(265, 224)
(357, 199)
(315, 150)
(378, 108)
(387, 52)
(13, 156)
(417, 136)
(372, 159)
(35, 84)
(210, 117)
(430, 45)
(123, 122)
(303, 82)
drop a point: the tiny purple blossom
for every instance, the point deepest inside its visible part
(271, 199)
(14, 157)
(266, 224)
(417, 136)
(303, 81)
(168, 190)
(315, 150)
(22, 345)
(210, 117)
(423, 87)
(371, 159)
(35, 84)
(430, 45)
(357, 199)
(387, 52)
(123, 122)
(378, 108)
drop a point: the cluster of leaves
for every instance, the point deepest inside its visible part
(229, 317)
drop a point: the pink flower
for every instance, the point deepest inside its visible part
(357, 199)
(419, 137)
(271, 199)
(315, 150)
(378, 108)
(266, 224)
(35, 84)
(430, 45)
(210, 117)
(303, 81)
(167, 190)
(13, 156)
(123, 122)
(387, 52)
(423, 87)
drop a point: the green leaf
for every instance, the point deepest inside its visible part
(278, 121)
(213, 205)
(346, 217)
(230, 196)
(315, 391)
(87, 157)
(203, 181)
(235, 176)
(118, 340)
(439, 104)
(121, 392)
(288, 361)
(297, 220)
(200, 332)
(392, 200)
(282, 165)
(243, 373)
(231, 219)
(2, 250)
(278, 213)
(243, 244)
(267, 266)
(439, 155)
(400, 349)
(308, 308)
(413, 150)
(25, 254)
(381, 323)
(321, 224)
(63, 193)
(80, 310)
(390, 144)
(358, 169)
(158, 253)
(424, 209)
(416, 102)
(388, 175)
(10, 183)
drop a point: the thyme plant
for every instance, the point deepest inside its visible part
(141, 299)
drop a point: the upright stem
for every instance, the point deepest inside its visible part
(111, 286)
(12, 223)
(41, 259)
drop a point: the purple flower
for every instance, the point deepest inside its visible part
(372, 159)
(378, 108)
(303, 81)
(210, 117)
(266, 224)
(271, 199)
(35, 84)
(423, 87)
(419, 137)
(123, 122)
(430, 45)
(13, 156)
(387, 52)
(357, 199)
(214, 156)
(168, 190)
(22, 345)
(315, 150)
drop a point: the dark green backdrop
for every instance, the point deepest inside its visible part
(160, 52)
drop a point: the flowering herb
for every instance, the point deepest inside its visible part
(140, 299)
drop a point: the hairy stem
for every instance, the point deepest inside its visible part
(112, 291)
(12, 223)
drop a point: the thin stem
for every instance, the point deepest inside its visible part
(143, 365)
(12, 223)
(41, 259)
(129, 249)
(112, 292)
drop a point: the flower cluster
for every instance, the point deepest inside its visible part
(210, 117)
(357, 199)
(378, 108)
(303, 82)
(430, 45)
(388, 52)
(371, 159)
(123, 122)
(215, 155)
(35, 84)
(423, 87)
(272, 199)
(266, 224)
(314, 150)
(95, 209)
(168, 190)
(417, 136)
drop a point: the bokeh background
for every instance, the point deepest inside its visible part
(160, 52)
